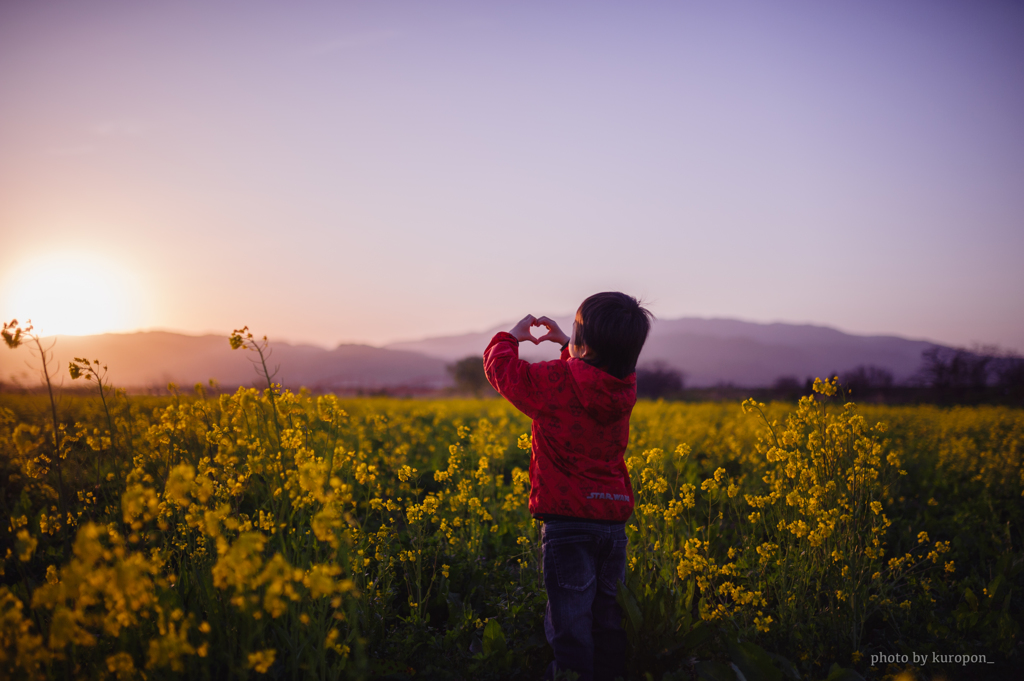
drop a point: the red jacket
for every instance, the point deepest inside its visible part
(580, 430)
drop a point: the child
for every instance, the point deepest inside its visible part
(580, 406)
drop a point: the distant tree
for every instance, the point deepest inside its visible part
(954, 374)
(866, 379)
(789, 388)
(1009, 377)
(983, 374)
(469, 377)
(658, 380)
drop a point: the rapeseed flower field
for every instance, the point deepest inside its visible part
(274, 534)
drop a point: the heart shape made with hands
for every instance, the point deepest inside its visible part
(553, 334)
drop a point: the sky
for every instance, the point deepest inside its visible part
(332, 172)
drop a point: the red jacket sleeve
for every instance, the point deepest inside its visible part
(512, 377)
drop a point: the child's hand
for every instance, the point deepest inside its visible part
(521, 331)
(554, 333)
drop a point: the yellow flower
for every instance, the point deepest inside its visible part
(260, 661)
(179, 485)
(122, 666)
(825, 387)
(25, 545)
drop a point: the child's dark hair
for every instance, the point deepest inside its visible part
(613, 327)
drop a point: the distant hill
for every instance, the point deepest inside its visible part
(727, 351)
(152, 359)
(709, 351)
(451, 348)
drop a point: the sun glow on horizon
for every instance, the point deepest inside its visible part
(74, 294)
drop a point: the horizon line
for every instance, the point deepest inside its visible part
(499, 326)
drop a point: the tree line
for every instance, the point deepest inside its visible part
(945, 376)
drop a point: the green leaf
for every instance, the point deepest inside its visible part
(456, 610)
(629, 605)
(1004, 563)
(753, 662)
(994, 586)
(494, 639)
(710, 670)
(837, 673)
(971, 599)
(789, 669)
(698, 635)
(685, 623)
(390, 668)
(688, 601)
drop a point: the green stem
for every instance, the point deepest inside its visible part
(53, 416)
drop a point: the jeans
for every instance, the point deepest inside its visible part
(584, 561)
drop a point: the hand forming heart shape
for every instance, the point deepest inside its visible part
(522, 333)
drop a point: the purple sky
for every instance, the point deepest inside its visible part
(377, 171)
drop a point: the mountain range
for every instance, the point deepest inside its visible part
(726, 351)
(152, 359)
(708, 352)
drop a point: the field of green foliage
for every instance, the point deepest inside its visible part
(268, 534)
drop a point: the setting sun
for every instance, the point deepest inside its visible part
(73, 294)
